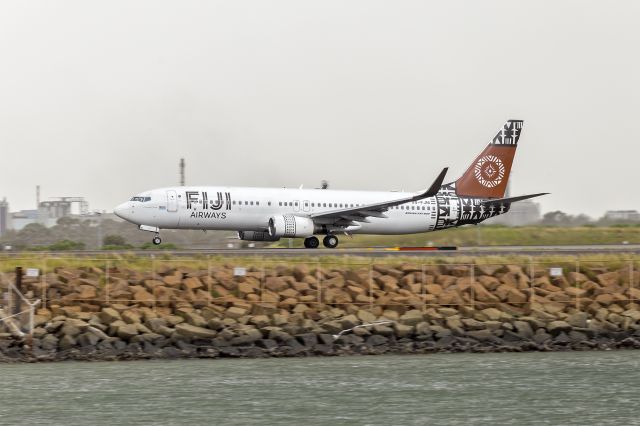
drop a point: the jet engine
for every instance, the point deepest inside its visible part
(289, 225)
(256, 236)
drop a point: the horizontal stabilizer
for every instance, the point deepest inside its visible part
(512, 199)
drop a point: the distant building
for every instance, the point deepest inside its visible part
(23, 218)
(622, 216)
(4, 216)
(47, 214)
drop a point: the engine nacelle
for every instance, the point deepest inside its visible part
(256, 236)
(289, 226)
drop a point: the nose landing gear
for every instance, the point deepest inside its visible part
(156, 240)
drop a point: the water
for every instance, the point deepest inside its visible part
(571, 388)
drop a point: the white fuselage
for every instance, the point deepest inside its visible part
(249, 209)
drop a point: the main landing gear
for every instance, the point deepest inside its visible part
(329, 241)
(311, 242)
(156, 240)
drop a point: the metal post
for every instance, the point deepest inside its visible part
(531, 278)
(43, 282)
(106, 283)
(18, 289)
(631, 302)
(319, 283)
(423, 289)
(370, 286)
(262, 282)
(31, 309)
(209, 279)
(472, 276)
(577, 284)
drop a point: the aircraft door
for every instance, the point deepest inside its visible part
(305, 205)
(172, 201)
(454, 203)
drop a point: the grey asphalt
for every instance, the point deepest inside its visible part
(370, 251)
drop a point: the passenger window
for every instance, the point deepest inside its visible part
(246, 203)
(324, 204)
(251, 203)
(257, 203)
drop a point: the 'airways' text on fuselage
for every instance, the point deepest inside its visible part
(208, 215)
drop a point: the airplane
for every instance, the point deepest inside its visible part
(269, 214)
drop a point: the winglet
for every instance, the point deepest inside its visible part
(435, 186)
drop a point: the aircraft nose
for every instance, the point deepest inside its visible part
(121, 211)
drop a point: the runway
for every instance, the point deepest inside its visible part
(572, 250)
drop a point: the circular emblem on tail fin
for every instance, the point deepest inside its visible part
(489, 171)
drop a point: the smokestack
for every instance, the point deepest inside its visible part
(37, 197)
(182, 172)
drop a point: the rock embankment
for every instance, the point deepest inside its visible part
(300, 311)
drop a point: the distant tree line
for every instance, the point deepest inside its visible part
(97, 233)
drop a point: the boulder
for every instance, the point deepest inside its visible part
(492, 314)
(143, 297)
(73, 327)
(193, 332)
(402, 330)
(49, 342)
(579, 319)
(366, 316)
(127, 331)
(108, 315)
(557, 327)
(472, 324)
(609, 279)
(481, 335)
(412, 317)
(376, 340)
(131, 317)
(67, 342)
(235, 312)
(523, 329)
(349, 321)
(88, 339)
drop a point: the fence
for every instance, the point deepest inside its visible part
(259, 285)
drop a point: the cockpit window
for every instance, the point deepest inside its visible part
(141, 199)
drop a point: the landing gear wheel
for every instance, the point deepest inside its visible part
(330, 241)
(156, 240)
(311, 242)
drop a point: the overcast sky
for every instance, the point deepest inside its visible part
(101, 99)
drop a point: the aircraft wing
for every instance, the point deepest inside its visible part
(349, 215)
(512, 199)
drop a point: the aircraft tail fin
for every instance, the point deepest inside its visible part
(487, 176)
